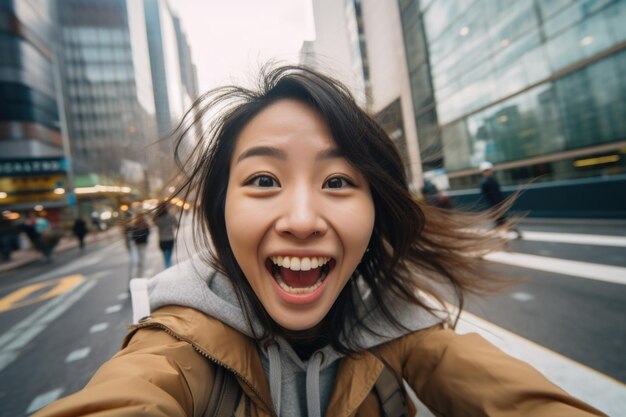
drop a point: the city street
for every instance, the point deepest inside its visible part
(59, 321)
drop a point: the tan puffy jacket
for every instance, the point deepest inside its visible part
(165, 369)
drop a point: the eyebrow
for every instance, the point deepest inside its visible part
(282, 155)
(262, 151)
(329, 154)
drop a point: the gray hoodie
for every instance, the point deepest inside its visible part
(298, 387)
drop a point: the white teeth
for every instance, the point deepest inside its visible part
(300, 264)
(295, 264)
(305, 264)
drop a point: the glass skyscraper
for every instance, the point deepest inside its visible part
(32, 163)
(534, 86)
(108, 90)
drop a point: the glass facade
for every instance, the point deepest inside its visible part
(534, 86)
(418, 62)
(108, 90)
(358, 49)
(32, 163)
(26, 85)
(390, 119)
(165, 64)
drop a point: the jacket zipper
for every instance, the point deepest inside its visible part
(209, 357)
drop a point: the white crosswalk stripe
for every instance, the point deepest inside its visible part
(577, 238)
(608, 273)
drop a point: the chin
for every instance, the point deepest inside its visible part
(297, 324)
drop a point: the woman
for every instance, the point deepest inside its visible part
(139, 232)
(167, 224)
(321, 260)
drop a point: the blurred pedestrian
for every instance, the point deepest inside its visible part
(80, 231)
(42, 225)
(8, 237)
(430, 192)
(41, 236)
(320, 285)
(167, 224)
(139, 231)
(491, 193)
(125, 223)
(435, 197)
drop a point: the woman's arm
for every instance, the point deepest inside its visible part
(155, 375)
(464, 375)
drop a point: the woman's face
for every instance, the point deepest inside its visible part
(298, 216)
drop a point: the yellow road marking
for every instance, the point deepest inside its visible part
(21, 297)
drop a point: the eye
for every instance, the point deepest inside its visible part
(263, 181)
(337, 182)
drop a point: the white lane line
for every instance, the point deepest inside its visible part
(608, 273)
(589, 385)
(26, 336)
(122, 296)
(44, 399)
(522, 296)
(37, 315)
(114, 309)
(599, 240)
(98, 327)
(26, 330)
(78, 354)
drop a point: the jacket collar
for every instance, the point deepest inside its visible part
(238, 353)
(216, 341)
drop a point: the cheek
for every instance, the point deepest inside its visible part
(239, 227)
(356, 225)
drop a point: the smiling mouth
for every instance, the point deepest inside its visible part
(299, 275)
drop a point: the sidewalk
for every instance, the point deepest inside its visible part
(26, 256)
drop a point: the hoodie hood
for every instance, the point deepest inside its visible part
(194, 284)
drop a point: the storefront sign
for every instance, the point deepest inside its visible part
(32, 167)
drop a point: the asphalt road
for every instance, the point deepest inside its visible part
(52, 342)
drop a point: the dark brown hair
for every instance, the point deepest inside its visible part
(413, 246)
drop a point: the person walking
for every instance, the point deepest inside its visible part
(139, 232)
(319, 282)
(41, 236)
(166, 224)
(8, 236)
(80, 231)
(491, 193)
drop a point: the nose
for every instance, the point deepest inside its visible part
(301, 215)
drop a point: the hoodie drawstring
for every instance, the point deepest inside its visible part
(312, 380)
(275, 375)
(313, 384)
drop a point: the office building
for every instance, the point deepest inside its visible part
(532, 86)
(535, 87)
(360, 43)
(109, 101)
(33, 165)
(173, 79)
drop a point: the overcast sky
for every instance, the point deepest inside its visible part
(229, 39)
